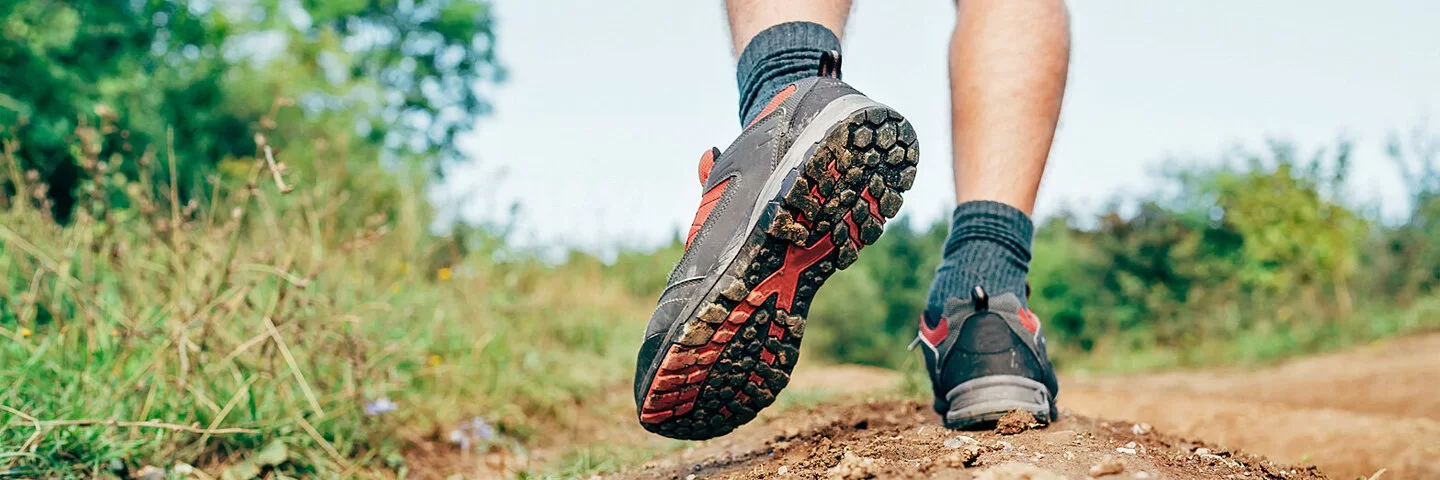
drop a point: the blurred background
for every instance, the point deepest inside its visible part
(375, 235)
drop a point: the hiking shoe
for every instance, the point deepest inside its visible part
(986, 357)
(794, 198)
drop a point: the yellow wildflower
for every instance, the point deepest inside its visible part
(25, 332)
(434, 360)
(404, 268)
(443, 273)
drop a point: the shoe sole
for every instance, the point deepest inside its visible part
(736, 352)
(981, 402)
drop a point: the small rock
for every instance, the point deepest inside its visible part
(1014, 422)
(690, 477)
(962, 458)
(853, 467)
(1004, 446)
(1143, 474)
(953, 443)
(1130, 451)
(1140, 428)
(1107, 466)
(783, 470)
(149, 472)
(1202, 451)
(1016, 471)
(1130, 445)
(1069, 455)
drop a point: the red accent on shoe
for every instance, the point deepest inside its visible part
(776, 331)
(707, 203)
(767, 357)
(677, 359)
(709, 353)
(725, 333)
(656, 417)
(774, 103)
(1029, 320)
(663, 401)
(707, 163)
(874, 205)
(785, 279)
(933, 336)
(854, 230)
(671, 382)
(696, 377)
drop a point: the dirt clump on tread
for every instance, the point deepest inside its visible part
(1014, 422)
(903, 439)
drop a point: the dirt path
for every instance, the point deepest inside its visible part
(1350, 413)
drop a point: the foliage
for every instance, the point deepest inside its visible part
(1260, 248)
(267, 312)
(152, 79)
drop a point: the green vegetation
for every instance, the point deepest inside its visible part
(1253, 259)
(369, 79)
(215, 250)
(264, 314)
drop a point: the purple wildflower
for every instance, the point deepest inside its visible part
(380, 406)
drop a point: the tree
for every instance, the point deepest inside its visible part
(387, 79)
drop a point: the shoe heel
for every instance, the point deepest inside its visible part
(984, 400)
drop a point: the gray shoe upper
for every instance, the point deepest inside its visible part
(747, 164)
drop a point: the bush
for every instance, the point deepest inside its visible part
(1262, 246)
(154, 82)
(270, 318)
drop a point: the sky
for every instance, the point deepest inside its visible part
(597, 131)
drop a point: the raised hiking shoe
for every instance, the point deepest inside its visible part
(986, 357)
(792, 200)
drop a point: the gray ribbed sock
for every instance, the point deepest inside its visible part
(777, 57)
(989, 246)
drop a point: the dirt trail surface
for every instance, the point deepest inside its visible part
(899, 439)
(1350, 414)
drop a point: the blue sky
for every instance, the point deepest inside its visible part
(610, 104)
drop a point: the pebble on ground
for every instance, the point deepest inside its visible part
(1016, 471)
(1016, 421)
(1110, 465)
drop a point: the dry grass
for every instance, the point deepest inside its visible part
(151, 332)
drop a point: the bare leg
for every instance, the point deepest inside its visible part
(1008, 63)
(750, 17)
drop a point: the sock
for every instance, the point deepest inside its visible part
(777, 57)
(989, 247)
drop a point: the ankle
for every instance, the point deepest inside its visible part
(779, 56)
(989, 247)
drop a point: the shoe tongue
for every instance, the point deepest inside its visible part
(707, 163)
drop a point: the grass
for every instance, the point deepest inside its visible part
(1264, 344)
(160, 336)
